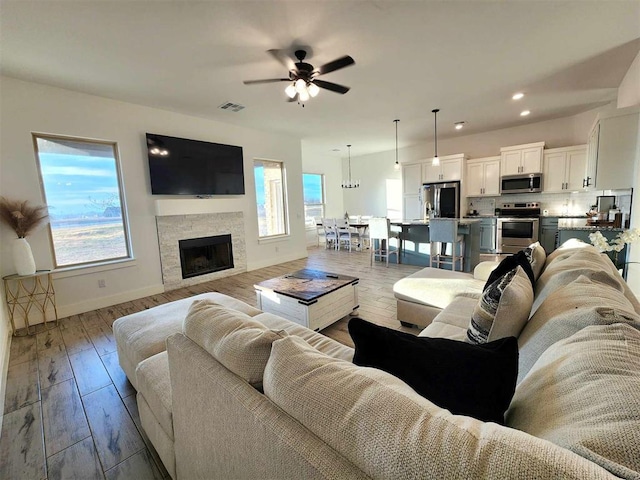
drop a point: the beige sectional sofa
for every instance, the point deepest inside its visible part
(243, 394)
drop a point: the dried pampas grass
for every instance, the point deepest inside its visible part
(21, 217)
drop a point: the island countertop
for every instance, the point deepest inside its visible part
(461, 221)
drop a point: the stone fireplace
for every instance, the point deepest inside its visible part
(200, 247)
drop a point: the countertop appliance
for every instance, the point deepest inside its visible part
(517, 226)
(521, 183)
(441, 199)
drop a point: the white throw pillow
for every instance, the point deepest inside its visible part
(503, 309)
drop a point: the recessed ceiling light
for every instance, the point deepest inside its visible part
(459, 125)
(518, 96)
(524, 113)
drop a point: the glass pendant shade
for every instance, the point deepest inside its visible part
(313, 89)
(301, 85)
(290, 91)
(436, 161)
(304, 95)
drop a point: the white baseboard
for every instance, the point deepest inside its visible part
(276, 260)
(96, 303)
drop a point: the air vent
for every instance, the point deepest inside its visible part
(233, 107)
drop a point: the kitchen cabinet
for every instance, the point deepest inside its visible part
(488, 229)
(483, 177)
(411, 187)
(612, 150)
(450, 169)
(564, 169)
(518, 159)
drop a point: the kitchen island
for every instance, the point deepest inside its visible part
(415, 247)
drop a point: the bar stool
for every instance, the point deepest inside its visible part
(444, 231)
(380, 229)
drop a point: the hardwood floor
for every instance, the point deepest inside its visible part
(70, 411)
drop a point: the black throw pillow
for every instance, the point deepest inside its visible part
(474, 380)
(508, 264)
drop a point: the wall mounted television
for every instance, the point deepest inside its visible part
(178, 166)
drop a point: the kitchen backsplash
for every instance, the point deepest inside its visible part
(559, 204)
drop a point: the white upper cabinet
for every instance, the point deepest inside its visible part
(411, 178)
(521, 159)
(613, 144)
(450, 169)
(483, 177)
(565, 169)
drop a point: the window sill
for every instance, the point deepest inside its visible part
(273, 239)
(74, 271)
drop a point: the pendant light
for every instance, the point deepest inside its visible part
(397, 165)
(350, 183)
(436, 160)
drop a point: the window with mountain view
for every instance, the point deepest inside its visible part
(313, 192)
(271, 198)
(83, 191)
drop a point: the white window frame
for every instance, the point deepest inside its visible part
(107, 261)
(312, 224)
(283, 204)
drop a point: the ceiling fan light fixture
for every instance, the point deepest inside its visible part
(290, 91)
(300, 85)
(436, 160)
(313, 89)
(304, 95)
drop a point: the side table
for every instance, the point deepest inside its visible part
(26, 291)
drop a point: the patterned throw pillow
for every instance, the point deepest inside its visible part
(537, 256)
(503, 308)
(508, 264)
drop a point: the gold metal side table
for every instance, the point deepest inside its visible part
(24, 292)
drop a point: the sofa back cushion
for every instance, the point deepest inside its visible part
(570, 308)
(503, 308)
(387, 430)
(237, 341)
(584, 394)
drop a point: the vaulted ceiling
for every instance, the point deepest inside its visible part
(465, 57)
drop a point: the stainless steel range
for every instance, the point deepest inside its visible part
(517, 226)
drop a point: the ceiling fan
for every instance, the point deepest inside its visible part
(302, 76)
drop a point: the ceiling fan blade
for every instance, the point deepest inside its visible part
(334, 87)
(335, 65)
(283, 58)
(266, 80)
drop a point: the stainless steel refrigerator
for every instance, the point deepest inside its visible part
(441, 199)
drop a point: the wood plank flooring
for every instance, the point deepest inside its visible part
(70, 411)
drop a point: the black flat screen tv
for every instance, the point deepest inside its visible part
(178, 166)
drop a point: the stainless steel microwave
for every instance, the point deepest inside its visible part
(523, 183)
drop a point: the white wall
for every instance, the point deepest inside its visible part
(329, 166)
(29, 107)
(629, 90)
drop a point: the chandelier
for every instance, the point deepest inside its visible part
(436, 160)
(350, 183)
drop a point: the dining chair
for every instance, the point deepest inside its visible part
(319, 228)
(330, 234)
(442, 233)
(346, 235)
(380, 231)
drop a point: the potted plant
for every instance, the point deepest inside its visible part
(23, 219)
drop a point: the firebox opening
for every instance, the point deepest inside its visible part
(199, 256)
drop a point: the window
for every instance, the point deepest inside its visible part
(83, 191)
(313, 193)
(270, 195)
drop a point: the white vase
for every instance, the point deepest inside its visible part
(23, 257)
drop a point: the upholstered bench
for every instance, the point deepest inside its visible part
(423, 295)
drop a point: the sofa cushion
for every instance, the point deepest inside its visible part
(452, 322)
(154, 384)
(473, 380)
(317, 340)
(508, 264)
(236, 340)
(570, 308)
(143, 334)
(584, 394)
(503, 308)
(381, 425)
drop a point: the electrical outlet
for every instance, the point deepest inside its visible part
(102, 283)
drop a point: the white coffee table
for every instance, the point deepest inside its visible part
(312, 298)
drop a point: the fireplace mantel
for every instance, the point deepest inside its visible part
(195, 206)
